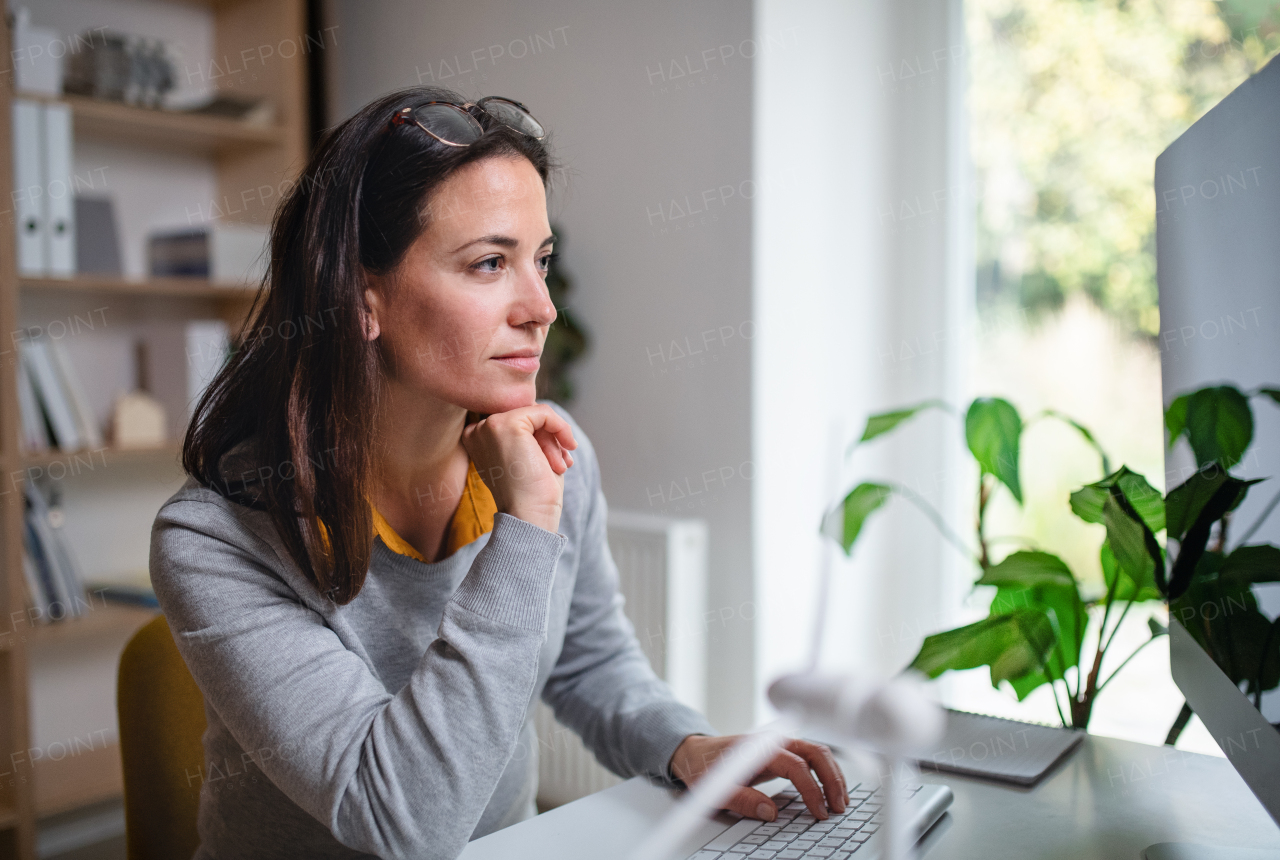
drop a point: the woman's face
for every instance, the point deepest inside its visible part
(463, 318)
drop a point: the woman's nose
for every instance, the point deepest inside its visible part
(533, 303)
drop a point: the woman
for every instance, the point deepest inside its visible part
(370, 580)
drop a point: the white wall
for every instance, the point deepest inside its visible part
(860, 292)
(650, 109)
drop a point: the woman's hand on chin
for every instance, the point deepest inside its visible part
(522, 456)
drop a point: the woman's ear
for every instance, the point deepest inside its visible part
(369, 314)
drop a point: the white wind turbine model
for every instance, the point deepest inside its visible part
(893, 719)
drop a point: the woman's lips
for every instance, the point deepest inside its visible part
(523, 363)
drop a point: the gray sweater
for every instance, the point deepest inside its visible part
(400, 724)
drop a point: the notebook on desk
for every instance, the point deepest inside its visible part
(1000, 749)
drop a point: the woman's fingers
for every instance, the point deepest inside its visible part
(822, 762)
(545, 419)
(793, 767)
(556, 455)
(750, 803)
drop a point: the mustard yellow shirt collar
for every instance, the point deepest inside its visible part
(473, 518)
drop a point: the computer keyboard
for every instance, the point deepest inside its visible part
(796, 834)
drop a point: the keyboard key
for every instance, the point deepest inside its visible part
(775, 844)
(819, 851)
(739, 849)
(860, 836)
(790, 854)
(753, 839)
(762, 854)
(706, 855)
(794, 828)
(871, 829)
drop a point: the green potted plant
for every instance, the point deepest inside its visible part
(1040, 628)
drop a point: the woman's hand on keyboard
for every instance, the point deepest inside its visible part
(797, 761)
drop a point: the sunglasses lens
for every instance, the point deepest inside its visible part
(511, 114)
(449, 123)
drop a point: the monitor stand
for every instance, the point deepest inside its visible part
(1190, 851)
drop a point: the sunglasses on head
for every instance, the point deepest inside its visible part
(456, 124)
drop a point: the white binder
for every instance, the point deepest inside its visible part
(51, 394)
(60, 214)
(28, 187)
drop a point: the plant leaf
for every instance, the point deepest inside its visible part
(844, 523)
(1065, 610)
(1024, 686)
(1013, 645)
(1156, 628)
(1087, 502)
(1219, 425)
(1273, 393)
(1252, 564)
(1027, 568)
(1185, 501)
(1228, 495)
(1126, 588)
(1127, 537)
(878, 425)
(992, 430)
(1175, 418)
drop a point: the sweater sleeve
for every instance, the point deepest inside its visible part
(602, 686)
(393, 775)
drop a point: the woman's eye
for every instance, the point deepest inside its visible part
(544, 262)
(490, 265)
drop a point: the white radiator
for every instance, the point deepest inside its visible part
(662, 571)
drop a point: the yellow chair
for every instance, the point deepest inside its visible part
(162, 720)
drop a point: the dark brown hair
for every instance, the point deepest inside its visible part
(302, 386)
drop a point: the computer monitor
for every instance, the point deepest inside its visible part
(1217, 190)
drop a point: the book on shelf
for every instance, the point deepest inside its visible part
(86, 423)
(51, 397)
(37, 597)
(35, 432)
(129, 594)
(61, 585)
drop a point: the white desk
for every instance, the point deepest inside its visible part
(1110, 799)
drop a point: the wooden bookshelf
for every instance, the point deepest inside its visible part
(109, 620)
(107, 454)
(243, 156)
(189, 288)
(90, 776)
(154, 128)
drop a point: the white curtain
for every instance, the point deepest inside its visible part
(863, 297)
